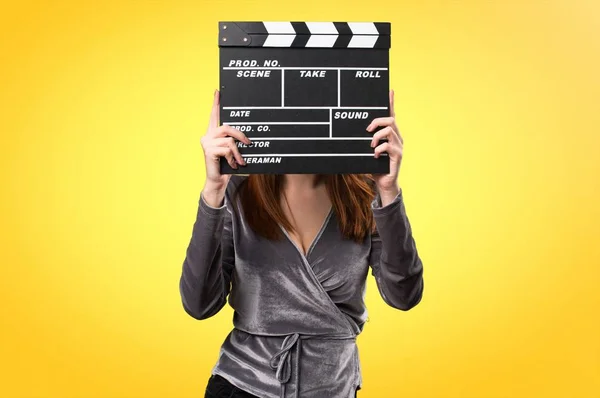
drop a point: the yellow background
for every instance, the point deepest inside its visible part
(102, 108)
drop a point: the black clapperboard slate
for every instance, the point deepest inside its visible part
(304, 93)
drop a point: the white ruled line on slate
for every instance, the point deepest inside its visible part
(305, 107)
(272, 123)
(309, 138)
(301, 155)
(297, 68)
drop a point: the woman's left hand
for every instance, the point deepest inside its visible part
(387, 184)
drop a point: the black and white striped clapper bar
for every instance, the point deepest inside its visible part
(304, 93)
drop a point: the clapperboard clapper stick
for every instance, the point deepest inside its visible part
(304, 93)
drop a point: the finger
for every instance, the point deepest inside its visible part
(225, 152)
(226, 130)
(229, 142)
(222, 141)
(392, 110)
(381, 149)
(388, 148)
(381, 122)
(235, 151)
(387, 133)
(214, 113)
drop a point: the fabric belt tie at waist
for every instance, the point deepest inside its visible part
(281, 361)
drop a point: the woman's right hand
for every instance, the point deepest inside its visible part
(219, 141)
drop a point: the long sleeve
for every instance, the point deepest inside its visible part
(394, 259)
(206, 274)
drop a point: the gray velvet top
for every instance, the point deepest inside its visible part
(296, 317)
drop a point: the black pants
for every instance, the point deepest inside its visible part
(218, 387)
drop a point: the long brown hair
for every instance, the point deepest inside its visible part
(351, 196)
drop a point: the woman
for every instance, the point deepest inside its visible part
(292, 253)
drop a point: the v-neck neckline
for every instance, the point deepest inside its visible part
(316, 238)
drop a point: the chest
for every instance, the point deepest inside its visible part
(331, 263)
(308, 218)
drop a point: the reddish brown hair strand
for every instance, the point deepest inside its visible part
(351, 196)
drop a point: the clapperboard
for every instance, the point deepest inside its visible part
(304, 93)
